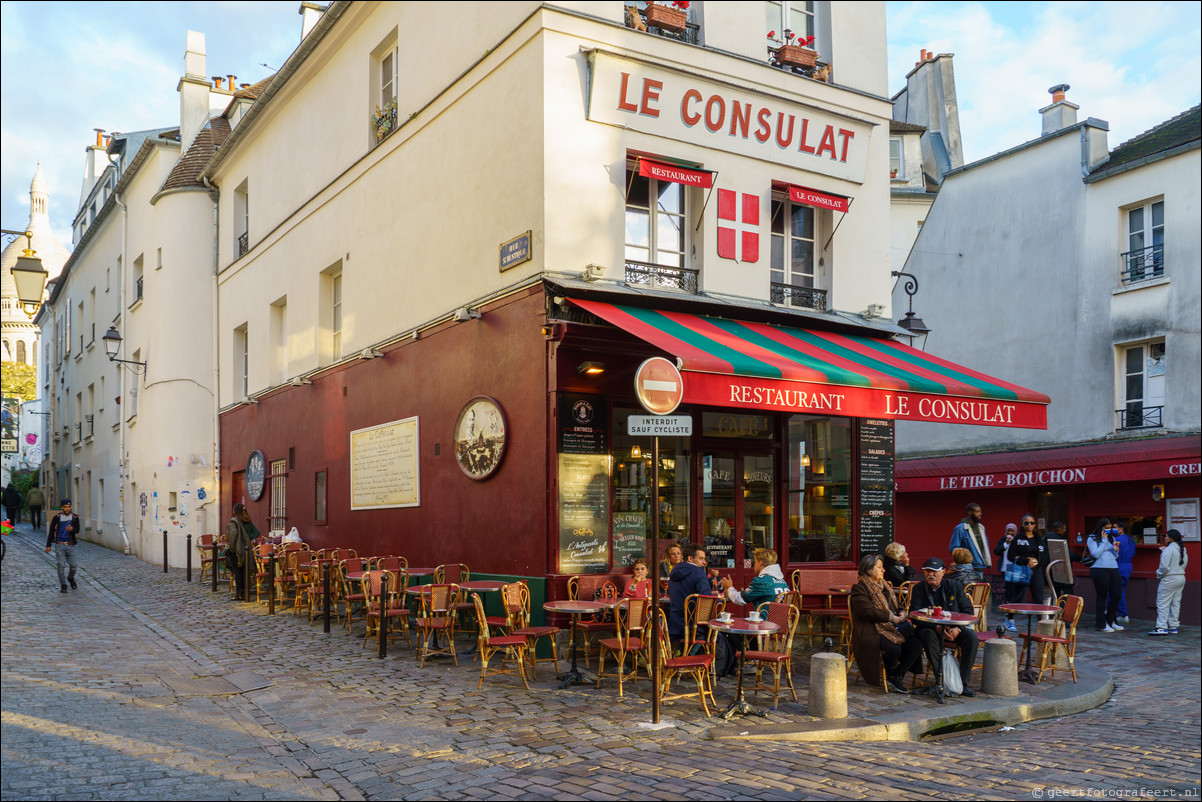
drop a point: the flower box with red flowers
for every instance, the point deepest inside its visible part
(668, 18)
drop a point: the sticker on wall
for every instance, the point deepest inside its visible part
(143, 502)
(201, 495)
(480, 437)
(171, 462)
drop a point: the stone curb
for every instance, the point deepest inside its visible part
(1092, 689)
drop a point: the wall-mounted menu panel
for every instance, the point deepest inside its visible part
(876, 454)
(584, 468)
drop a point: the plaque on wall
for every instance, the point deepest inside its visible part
(384, 466)
(876, 485)
(480, 437)
(256, 475)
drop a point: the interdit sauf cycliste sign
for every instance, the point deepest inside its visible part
(683, 107)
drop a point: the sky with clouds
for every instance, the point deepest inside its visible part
(69, 67)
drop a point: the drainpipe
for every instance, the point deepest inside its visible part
(122, 462)
(214, 195)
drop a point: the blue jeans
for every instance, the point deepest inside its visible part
(1125, 570)
(64, 558)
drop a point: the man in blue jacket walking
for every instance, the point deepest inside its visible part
(970, 534)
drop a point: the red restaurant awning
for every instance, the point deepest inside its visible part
(680, 175)
(735, 363)
(1159, 458)
(821, 200)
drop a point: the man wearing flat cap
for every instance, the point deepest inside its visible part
(937, 591)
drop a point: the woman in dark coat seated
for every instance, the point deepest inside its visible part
(897, 565)
(880, 629)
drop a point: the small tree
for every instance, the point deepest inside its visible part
(19, 381)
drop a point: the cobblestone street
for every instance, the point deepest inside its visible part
(108, 693)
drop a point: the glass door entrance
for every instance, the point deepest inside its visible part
(738, 504)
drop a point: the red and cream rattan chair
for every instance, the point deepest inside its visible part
(352, 589)
(697, 610)
(1064, 636)
(632, 618)
(519, 624)
(700, 666)
(454, 574)
(488, 645)
(589, 587)
(395, 609)
(437, 605)
(777, 653)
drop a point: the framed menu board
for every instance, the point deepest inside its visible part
(630, 531)
(876, 485)
(584, 479)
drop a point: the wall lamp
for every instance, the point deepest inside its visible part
(28, 274)
(590, 368)
(911, 322)
(370, 353)
(463, 314)
(112, 344)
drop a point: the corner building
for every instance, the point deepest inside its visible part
(430, 319)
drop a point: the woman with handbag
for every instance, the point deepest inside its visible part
(1023, 555)
(1104, 572)
(240, 534)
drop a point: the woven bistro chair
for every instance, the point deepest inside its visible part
(299, 562)
(511, 602)
(519, 624)
(1064, 635)
(453, 574)
(263, 555)
(632, 618)
(979, 594)
(904, 592)
(352, 589)
(700, 666)
(390, 563)
(395, 609)
(590, 587)
(207, 546)
(697, 610)
(777, 652)
(488, 645)
(437, 606)
(338, 555)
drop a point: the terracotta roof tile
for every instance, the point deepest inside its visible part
(1185, 127)
(253, 91)
(184, 174)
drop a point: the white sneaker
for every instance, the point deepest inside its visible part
(1122, 619)
(1117, 628)
(1159, 632)
(1106, 629)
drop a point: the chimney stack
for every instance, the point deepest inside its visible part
(194, 89)
(310, 15)
(1061, 113)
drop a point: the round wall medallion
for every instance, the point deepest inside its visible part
(256, 475)
(480, 437)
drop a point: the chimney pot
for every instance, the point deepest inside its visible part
(244, 86)
(217, 79)
(1058, 91)
(231, 81)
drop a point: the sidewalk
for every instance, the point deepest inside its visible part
(138, 675)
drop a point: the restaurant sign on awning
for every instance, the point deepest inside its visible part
(819, 200)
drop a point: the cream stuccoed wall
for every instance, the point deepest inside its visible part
(1019, 269)
(415, 223)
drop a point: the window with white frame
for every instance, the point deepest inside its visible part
(1142, 375)
(897, 162)
(241, 362)
(329, 345)
(385, 86)
(783, 18)
(793, 267)
(279, 340)
(656, 232)
(279, 493)
(241, 219)
(1144, 258)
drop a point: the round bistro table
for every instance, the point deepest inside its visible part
(1030, 611)
(742, 626)
(575, 609)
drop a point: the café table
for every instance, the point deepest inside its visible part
(575, 609)
(1030, 611)
(479, 586)
(946, 619)
(742, 626)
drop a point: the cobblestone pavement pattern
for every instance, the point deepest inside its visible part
(96, 705)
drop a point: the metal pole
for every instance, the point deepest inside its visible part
(213, 565)
(325, 596)
(382, 621)
(188, 559)
(250, 556)
(164, 551)
(655, 697)
(271, 585)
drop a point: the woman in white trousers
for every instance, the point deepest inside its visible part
(1171, 572)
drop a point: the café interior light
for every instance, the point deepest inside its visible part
(590, 368)
(636, 452)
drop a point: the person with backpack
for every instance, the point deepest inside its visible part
(1171, 573)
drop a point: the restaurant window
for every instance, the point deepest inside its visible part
(633, 496)
(655, 233)
(279, 493)
(319, 497)
(1142, 378)
(1144, 258)
(793, 269)
(820, 518)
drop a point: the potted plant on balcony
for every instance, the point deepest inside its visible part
(384, 120)
(672, 16)
(794, 54)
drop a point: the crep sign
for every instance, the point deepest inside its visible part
(683, 107)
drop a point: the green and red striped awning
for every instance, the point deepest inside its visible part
(734, 363)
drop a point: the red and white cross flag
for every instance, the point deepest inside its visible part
(738, 222)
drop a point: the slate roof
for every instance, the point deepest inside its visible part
(1182, 129)
(186, 171)
(901, 127)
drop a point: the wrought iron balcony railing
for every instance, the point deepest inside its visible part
(801, 297)
(138, 289)
(643, 274)
(243, 243)
(1137, 416)
(1143, 264)
(691, 34)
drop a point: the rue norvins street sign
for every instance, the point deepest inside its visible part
(659, 425)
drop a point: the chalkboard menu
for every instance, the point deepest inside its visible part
(630, 537)
(584, 481)
(876, 485)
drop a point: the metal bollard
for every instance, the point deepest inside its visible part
(382, 621)
(250, 556)
(271, 585)
(164, 551)
(213, 565)
(188, 560)
(325, 596)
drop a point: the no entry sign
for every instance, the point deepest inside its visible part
(658, 385)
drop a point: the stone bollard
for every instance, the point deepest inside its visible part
(828, 685)
(1059, 657)
(999, 673)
